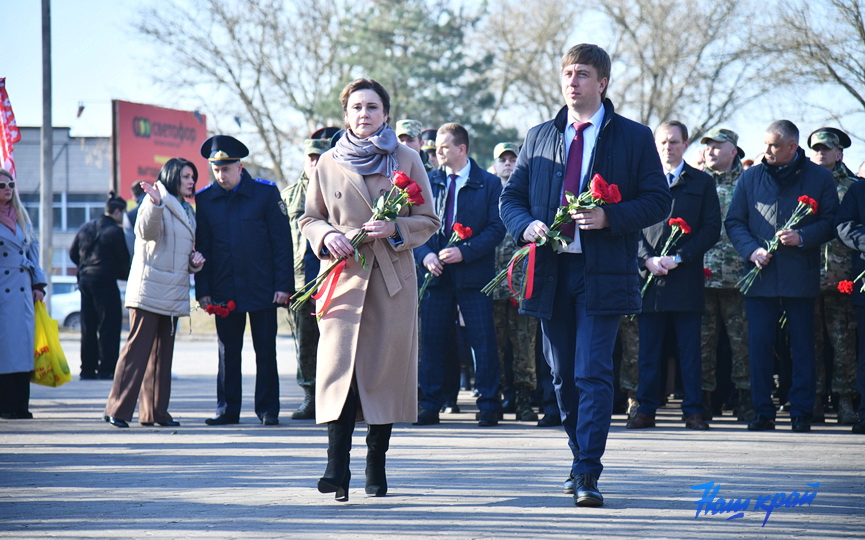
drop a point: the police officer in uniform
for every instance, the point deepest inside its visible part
(245, 237)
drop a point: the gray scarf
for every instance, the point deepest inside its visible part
(374, 155)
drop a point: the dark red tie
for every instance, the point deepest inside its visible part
(573, 173)
(449, 204)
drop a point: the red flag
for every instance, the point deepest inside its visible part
(9, 133)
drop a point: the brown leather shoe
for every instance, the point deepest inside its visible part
(640, 421)
(695, 421)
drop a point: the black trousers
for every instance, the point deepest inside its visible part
(230, 331)
(101, 316)
(15, 393)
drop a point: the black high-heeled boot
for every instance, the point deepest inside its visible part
(377, 442)
(337, 474)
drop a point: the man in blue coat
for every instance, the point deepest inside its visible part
(244, 235)
(789, 280)
(466, 194)
(580, 294)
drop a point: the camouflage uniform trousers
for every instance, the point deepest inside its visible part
(629, 336)
(520, 330)
(305, 329)
(835, 313)
(725, 306)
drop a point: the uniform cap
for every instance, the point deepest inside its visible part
(723, 135)
(409, 127)
(831, 137)
(503, 147)
(315, 146)
(222, 149)
(428, 136)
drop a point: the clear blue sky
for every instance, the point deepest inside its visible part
(98, 56)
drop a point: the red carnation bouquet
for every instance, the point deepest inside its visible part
(404, 192)
(680, 228)
(805, 207)
(221, 309)
(599, 193)
(461, 232)
(845, 286)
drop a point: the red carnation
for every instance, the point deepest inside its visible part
(845, 287)
(707, 273)
(231, 305)
(401, 179)
(462, 231)
(681, 223)
(808, 201)
(210, 309)
(613, 195)
(599, 187)
(413, 191)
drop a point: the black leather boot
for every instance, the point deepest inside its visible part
(377, 443)
(337, 474)
(306, 411)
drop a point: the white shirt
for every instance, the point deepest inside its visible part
(590, 138)
(461, 179)
(677, 172)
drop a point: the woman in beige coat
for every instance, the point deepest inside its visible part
(157, 294)
(367, 353)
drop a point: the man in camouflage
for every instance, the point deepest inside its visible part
(629, 373)
(303, 324)
(514, 332)
(725, 305)
(834, 309)
(408, 131)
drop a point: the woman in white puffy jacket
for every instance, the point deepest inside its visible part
(157, 293)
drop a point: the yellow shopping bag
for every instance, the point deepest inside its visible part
(49, 365)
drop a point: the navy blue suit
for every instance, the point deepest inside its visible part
(460, 285)
(764, 199)
(851, 231)
(580, 297)
(677, 298)
(245, 237)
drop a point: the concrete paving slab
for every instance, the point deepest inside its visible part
(67, 474)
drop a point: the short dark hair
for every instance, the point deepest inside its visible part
(683, 129)
(590, 55)
(365, 84)
(785, 128)
(114, 203)
(171, 173)
(460, 134)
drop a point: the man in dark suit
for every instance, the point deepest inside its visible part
(244, 235)
(789, 280)
(675, 295)
(463, 193)
(580, 294)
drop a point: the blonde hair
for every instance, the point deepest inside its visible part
(23, 216)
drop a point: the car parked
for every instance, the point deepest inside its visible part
(66, 301)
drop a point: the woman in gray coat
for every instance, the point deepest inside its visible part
(22, 284)
(157, 293)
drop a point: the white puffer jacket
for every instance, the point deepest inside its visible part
(164, 241)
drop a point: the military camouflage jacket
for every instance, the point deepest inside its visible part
(722, 260)
(836, 260)
(294, 197)
(504, 252)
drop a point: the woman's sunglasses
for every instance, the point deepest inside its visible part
(4, 184)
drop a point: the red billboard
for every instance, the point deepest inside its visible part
(145, 137)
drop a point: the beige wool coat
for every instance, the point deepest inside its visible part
(370, 328)
(164, 240)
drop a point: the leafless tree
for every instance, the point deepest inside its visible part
(823, 44)
(690, 61)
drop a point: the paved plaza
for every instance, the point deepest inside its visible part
(67, 474)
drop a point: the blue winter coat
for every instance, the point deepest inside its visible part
(245, 238)
(477, 208)
(625, 155)
(761, 205)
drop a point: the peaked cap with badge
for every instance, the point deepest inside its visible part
(223, 149)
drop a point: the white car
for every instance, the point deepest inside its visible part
(66, 301)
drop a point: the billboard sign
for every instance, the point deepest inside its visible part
(146, 136)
